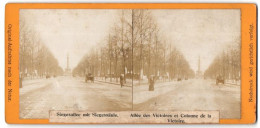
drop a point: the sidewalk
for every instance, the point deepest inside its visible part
(233, 82)
(113, 81)
(27, 81)
(31, 85)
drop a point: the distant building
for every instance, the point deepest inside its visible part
(199, 74)
(67, 70)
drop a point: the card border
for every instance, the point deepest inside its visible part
(248, 16)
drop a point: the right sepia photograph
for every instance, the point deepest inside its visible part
(187, 59)
(129, 60)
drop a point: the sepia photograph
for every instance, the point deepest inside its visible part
(129, 60)
(187, 59)
(74, 59)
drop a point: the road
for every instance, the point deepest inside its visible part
(194, 94)
(37, 97)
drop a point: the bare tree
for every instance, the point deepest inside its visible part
(136, 48)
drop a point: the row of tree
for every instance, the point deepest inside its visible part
(36, 60)
(227, 63)
(136, 48)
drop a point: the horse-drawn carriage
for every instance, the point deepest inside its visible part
(220, 79)
(89, 77)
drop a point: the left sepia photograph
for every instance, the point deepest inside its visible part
(74, 59)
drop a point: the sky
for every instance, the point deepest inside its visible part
(70, 31)
(195, 32)
(200, 33)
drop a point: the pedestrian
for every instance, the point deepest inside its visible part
(122, 80)
(151, 83)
